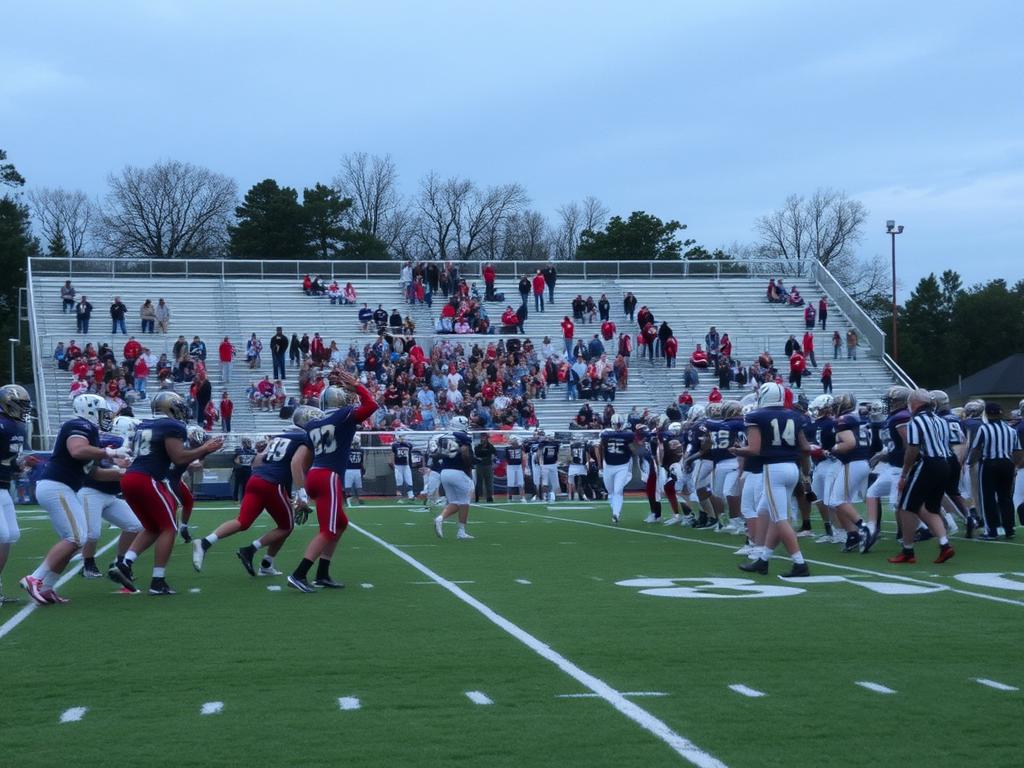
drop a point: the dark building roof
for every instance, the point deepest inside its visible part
(1002, 379)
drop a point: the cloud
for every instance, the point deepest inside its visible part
(24, 77)
(879, 54)
(991, 194)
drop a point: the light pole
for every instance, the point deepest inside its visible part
(12, 342)
(893, 230)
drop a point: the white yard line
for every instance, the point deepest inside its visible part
(751, 693)
(347, 703)
(876, 687)
(478, 697)
(823, 563)
(212, 708)
(993, 684)
(638, 694)
(682, 746)
(73, 715)
(8, 626)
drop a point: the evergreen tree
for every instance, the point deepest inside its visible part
(641, 237)
(57, 248)
(271, 224)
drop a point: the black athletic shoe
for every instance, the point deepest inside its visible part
(989, 536)
(972, 525)
(185, 535)
(922, 534)
(121, 573)
(160, 587)
(246, 554)
(798, 570)
(90, 572)
(755, 566)
(328, 583)
(867, 541)
(852, 542)
(300, 584)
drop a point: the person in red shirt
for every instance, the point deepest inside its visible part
(699, 358)
(686, 398)
(307, 286)
(714, 396)
(209, 416)
(132, 349)
(725, 346)
(79, 368)
(227, 407)
(808, 346)
(226, 353)
(822, 311)
(538, 292)
(671, 348)
(317, 349)
(568, 329)
(650, 335)
(73, 350)
(608, 330)
(489, 277)
(826, 379)
(797, 366)
(141, 373)
(509, 320)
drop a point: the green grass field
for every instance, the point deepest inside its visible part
(533, 619)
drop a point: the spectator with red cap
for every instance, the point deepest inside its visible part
(714, 396)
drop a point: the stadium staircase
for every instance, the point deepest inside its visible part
(213, 308)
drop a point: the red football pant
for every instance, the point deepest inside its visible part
(325, 488)
(151, 501)
(259, 495)
(185, 498)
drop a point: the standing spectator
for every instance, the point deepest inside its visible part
(163, 315)
(524, 288)
(568, 329)
(278, 348)
(365, 316)
(405, 277)
(538, 292)
(595, 348)
(550, 276)
(629, 304)
(724, 372)
(380, 318)
(822, 311)
(826, 379)
(809, 316)
(725, 347)
(253, 348)
(521, 314)
(304, 345)
(650, 334)
(713, 343)
(489, 277)
(851, 344)
(226, 353)
(690, 377)
(432, 275)
(295, 350)
(141, 372)
(664, 334)
(147, 314)
(809, 347)
(67, 297)
(603, 307)
(83, 311)
(484, 452)
(203, 393)
(797, 365)
(837, 345)
(644, 316)
(792, 345)
(625, 345)
(671, 349)
(395, 320)
(117, 314)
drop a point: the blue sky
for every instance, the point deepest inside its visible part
(709, 113)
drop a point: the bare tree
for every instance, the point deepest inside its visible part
(483, 211)
(170, 210)
(595, 214)
(575, 219)
(378, 208)
(440, 206)
(68, 212)
(457, 218)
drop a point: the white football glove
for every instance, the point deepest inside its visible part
(300, 496)
(118, 453)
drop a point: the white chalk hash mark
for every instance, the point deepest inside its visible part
(195, 590)
(73, 715)
(479, 697)
(749, 692)
(212, 708)
(346, 703)
(994, 684)
(366, 586)
(274, 588)
(523, 581)
(876, 687)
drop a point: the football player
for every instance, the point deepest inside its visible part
(274, 471)
(775, 435)
(615, 462)
(1018, 483)
(456, 453)
(531, 461)
(577, 468)
(514, 469)
(727, 431)
(695, 463)
(547, 452)
(821, 434)
(179, 489)
(431, 470)
(15, 410)
(401, 458)
(101, 500)
(670, 457)
(355, 471)
(853, 449)
(647, 460)
(972, 419)
(159, 442)
(75, 454)
(331, 437)
(958, 447)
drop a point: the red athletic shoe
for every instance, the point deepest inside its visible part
(944, 554)
(51, 596)
(35, 588)
(903, 557)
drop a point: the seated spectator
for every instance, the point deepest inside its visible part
(365, 316)
(578, 307)
(60, 355)
(197, 349)
(462, 326)
(699, 358)
(278, 396)
(773, 292)
(510, 321)
(795, 299)
(317, 288)
(685, 398)
(348, 294)
(591, 309)
(782, 292)
(714, 396)
(725, 346)
(180, 349)
(334, 292)
(766, 361)
(380, 317)
(253, 349)
(67, 297)
(307, 285)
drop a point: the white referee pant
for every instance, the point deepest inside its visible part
(99, 506)
(458, 486)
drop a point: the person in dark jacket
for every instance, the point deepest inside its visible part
(550, 276)
(117, 314)
(294, 350)
(278, 347)
(629, 304)
(603, 307)
(83, 311)
(432, 276)
(664, 334)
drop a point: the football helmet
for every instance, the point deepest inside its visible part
(940, 398)
(896, 398)
(697, 412)
(821, 405)
(357, 442)
(876, 411)
(513, 441)
(749, 408)
(675, 428)
(958, 412)
(459, 424)
(304, 414)
(333, 397)
(845, 403)
(974, 408)
(617, 421)
(433, 446)
(94, 408)
(125, 427)
(1020, 406)
(771, 395)
(731, 409)
(196, 436)
(169, 404)
(714, 410)
(15, 402)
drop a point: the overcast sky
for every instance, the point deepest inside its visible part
(710, 113)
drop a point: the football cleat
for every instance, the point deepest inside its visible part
(121, 573)
(185, 535)
(35, 588)
(50, 595)
(245, 555)
(300, 584)
(615, 519)
(826, 539)
(972, 525)
(90, 572)
(674, 520)
(867, 541)
(651, 518)
(689, 521)
(852, 543)
(439, 526)
(160, 587)
(198, 555)
(945, 553)
(903, 557)
(271, 571)
(463, 536)
(755, 566)
(807, 534)
(798, 570)
(328, 583)
(746, 549)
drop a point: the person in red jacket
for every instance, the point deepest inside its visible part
(489, 277)
(141, 373)
(568, 329)
(809, 348)
(509, 320)
(132, 349)
(822, 311)
(608, 330)
(826, 379)
(226, 353)
(714, 396)
(671, 348)
(227, 407)
(538, 292)
(797, 366)
(725, 346)
(650, 336)
(685, 398)
(699, 358)
(307, 285)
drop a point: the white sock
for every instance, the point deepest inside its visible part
(439, 519)
(158, 573)
(944, 541)
(798, 558)
(257, 544)
(130, 555)
(50, 579)
(766, 554)
(462, 527)
(871, 527)
(616, 502)
(41, 573)
(211, 538)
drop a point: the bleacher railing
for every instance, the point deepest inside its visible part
(861, 320)
(242, 269)
(42, 404)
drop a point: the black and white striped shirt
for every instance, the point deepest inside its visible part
(931, 434)
(997, 440)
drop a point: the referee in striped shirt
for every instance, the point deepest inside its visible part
(997, 446)
(924, 478)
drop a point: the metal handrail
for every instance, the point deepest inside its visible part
(900, 374)
(42, 406)
(860, 319)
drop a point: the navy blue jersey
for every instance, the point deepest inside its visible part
(891, 436)
(724, 435)
(850, 422)
(548, 450)
(415, 459)
(150, 446)
(355, 458)
(176, 472)
(578, 453)
(332, 438)
(12, 443)
(753, 464)
(615, 447)
(62, 468)
(449, 449)
(877, 438)
(822, 432)
(531, 446)
(780, 429)
(112, 487)
(402, 453)
(514, 454)
(695, 436)
(276, 466)
(956, 430)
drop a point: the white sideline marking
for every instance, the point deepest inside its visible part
(274, 588)
(431, 583)
(823, 563)
(749, 692)
(73, 715)
(572, 509)
(595, 696)
(682, 746)
(523, 581)
(876, 687)
(346, 703)
(366, 586)
(8, 626)
(994, 684)
(212, 708)
(479, 697)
